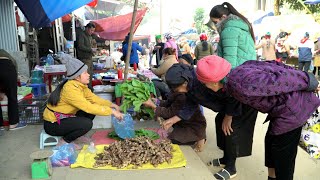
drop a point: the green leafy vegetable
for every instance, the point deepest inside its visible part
(135, 93)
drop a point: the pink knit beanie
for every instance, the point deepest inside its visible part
(212, 69)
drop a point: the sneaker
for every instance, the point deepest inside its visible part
(1, 131)
(19, 126)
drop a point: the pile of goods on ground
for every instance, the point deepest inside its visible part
(136, 152)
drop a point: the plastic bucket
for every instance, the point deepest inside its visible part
(4, 107)
(106, 96)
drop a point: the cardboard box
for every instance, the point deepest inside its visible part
(54, 68)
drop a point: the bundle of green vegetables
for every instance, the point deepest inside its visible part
(135, 93)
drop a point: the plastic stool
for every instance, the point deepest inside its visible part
(38, 90)
(44, 137)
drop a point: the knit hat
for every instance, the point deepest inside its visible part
(158, 37)
(177, 74)
(74, 66)
(306, 35)
(212, 69)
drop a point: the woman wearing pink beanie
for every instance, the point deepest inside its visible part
(283, 92)
(233, 132)
(235, 142)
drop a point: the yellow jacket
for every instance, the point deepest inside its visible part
(76, 96)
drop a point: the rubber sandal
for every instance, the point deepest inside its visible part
(224, 175)
(199, 148)
(216, 163)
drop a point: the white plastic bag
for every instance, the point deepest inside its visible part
(310, 136)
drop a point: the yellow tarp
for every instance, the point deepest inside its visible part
(86, 159)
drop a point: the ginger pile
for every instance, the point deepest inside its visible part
(136, 151)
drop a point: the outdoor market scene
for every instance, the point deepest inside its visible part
(159, 89)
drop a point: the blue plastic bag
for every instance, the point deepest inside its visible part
(124, 128)
(64, 155)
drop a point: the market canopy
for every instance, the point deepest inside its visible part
(40, 13)
(312, 2)
(117, 27)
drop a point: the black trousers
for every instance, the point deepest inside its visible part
(70, 128)
(8, 85)
(239, 143)
(281, 151)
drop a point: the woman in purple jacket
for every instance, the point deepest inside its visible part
(270, 87)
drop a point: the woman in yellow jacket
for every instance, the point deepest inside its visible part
(72, 106)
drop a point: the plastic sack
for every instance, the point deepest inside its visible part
(124, 128)
(310, 136)
(64, 155)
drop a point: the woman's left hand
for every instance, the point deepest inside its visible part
(226, 125)
(117, 114)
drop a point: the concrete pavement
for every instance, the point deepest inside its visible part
(16, 146)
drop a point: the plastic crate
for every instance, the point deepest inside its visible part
(31, 110)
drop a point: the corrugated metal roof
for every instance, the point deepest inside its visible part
(8, 27)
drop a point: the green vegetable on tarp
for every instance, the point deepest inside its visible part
(135, 93)
(138, 133)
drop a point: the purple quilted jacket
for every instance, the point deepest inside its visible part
(277, 89)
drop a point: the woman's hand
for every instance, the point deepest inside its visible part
(169, 122)
(149, 103)
(117, 114)
(226, 125)
(115, 107)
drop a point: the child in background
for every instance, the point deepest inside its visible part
(188, 131)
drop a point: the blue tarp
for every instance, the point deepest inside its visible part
(258, 21)
(40, 13)
(312, 2)
(190, 31)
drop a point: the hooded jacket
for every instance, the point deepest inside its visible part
(236, 44)
(76, 96)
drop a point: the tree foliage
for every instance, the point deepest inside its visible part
(198, 18)
(296, 5)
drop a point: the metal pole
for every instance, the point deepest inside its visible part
(307, 9)
(130, 39)
(161, 18)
